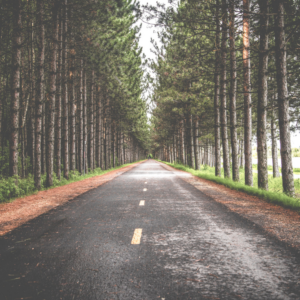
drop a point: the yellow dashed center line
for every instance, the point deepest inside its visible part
(142, 203)
(136, 239)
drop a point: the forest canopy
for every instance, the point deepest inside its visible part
(227, 76)
(71, 84)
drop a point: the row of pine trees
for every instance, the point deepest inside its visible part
(71, 80)
(228, 76)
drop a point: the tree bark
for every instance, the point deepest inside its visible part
(232, 95)
(189, 140)
(51, 104)
(72, 76)
(274, 142)
(283, 101)
(85, 135)
(44, 137)
(113, 135)
(39, 94)
(15, 87)
(91, 127)
(247, 95)
(80, 120)
(196, 132)
(217, 96)
(182, 142)
(58, 102)
(98, 129)
(65, 93)
(262, 101)
(223, 114)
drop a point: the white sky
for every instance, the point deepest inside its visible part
(149, 32)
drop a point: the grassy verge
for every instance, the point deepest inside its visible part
(275, 195)
(9, 190)
(270, 168)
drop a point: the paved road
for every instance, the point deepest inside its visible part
(191, 247)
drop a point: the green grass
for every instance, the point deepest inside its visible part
(9, 190)
(274, 195)
(270, 168)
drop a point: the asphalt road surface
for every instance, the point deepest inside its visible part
(190, 247)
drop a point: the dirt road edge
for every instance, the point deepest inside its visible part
(22, 210)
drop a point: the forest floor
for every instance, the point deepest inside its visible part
(21, 210)
(278, 221)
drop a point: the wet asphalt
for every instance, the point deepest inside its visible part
(191, 247)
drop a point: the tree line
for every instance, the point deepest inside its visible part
(227, 74)
(71, 80)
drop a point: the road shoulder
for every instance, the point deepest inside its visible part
(280, 222)
(21, 210)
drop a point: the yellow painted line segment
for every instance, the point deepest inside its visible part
(136, 239)
(142, 203)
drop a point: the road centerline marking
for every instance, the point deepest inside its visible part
(142, 203)
(144, 190)
(136, 239)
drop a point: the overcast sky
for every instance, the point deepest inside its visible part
(149, 31)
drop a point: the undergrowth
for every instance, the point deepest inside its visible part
(274, 195)
(14, 187)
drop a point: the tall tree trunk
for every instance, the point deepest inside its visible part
(73, 104)
(15, 87)
(44, 137)
(80, 120)
(108, 134)
(232, 95)
(189, 141)
(98, 127)
(113, 134)
(91, 127)
(217, 96)
(39, 94)
(58, 102)
(51, 104)
(242, 161)
(95, 122)
(102, 132)
(182, 142)
(196, 132)
(85, 169)
(274, 141)
(192, 141)
(247, 95)
(1, 89)
(223, 114)
(262, 101)
(65, 93)
(283, 101)
(32, 102)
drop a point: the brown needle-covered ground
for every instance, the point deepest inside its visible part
(24, 209)
(276, 220)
